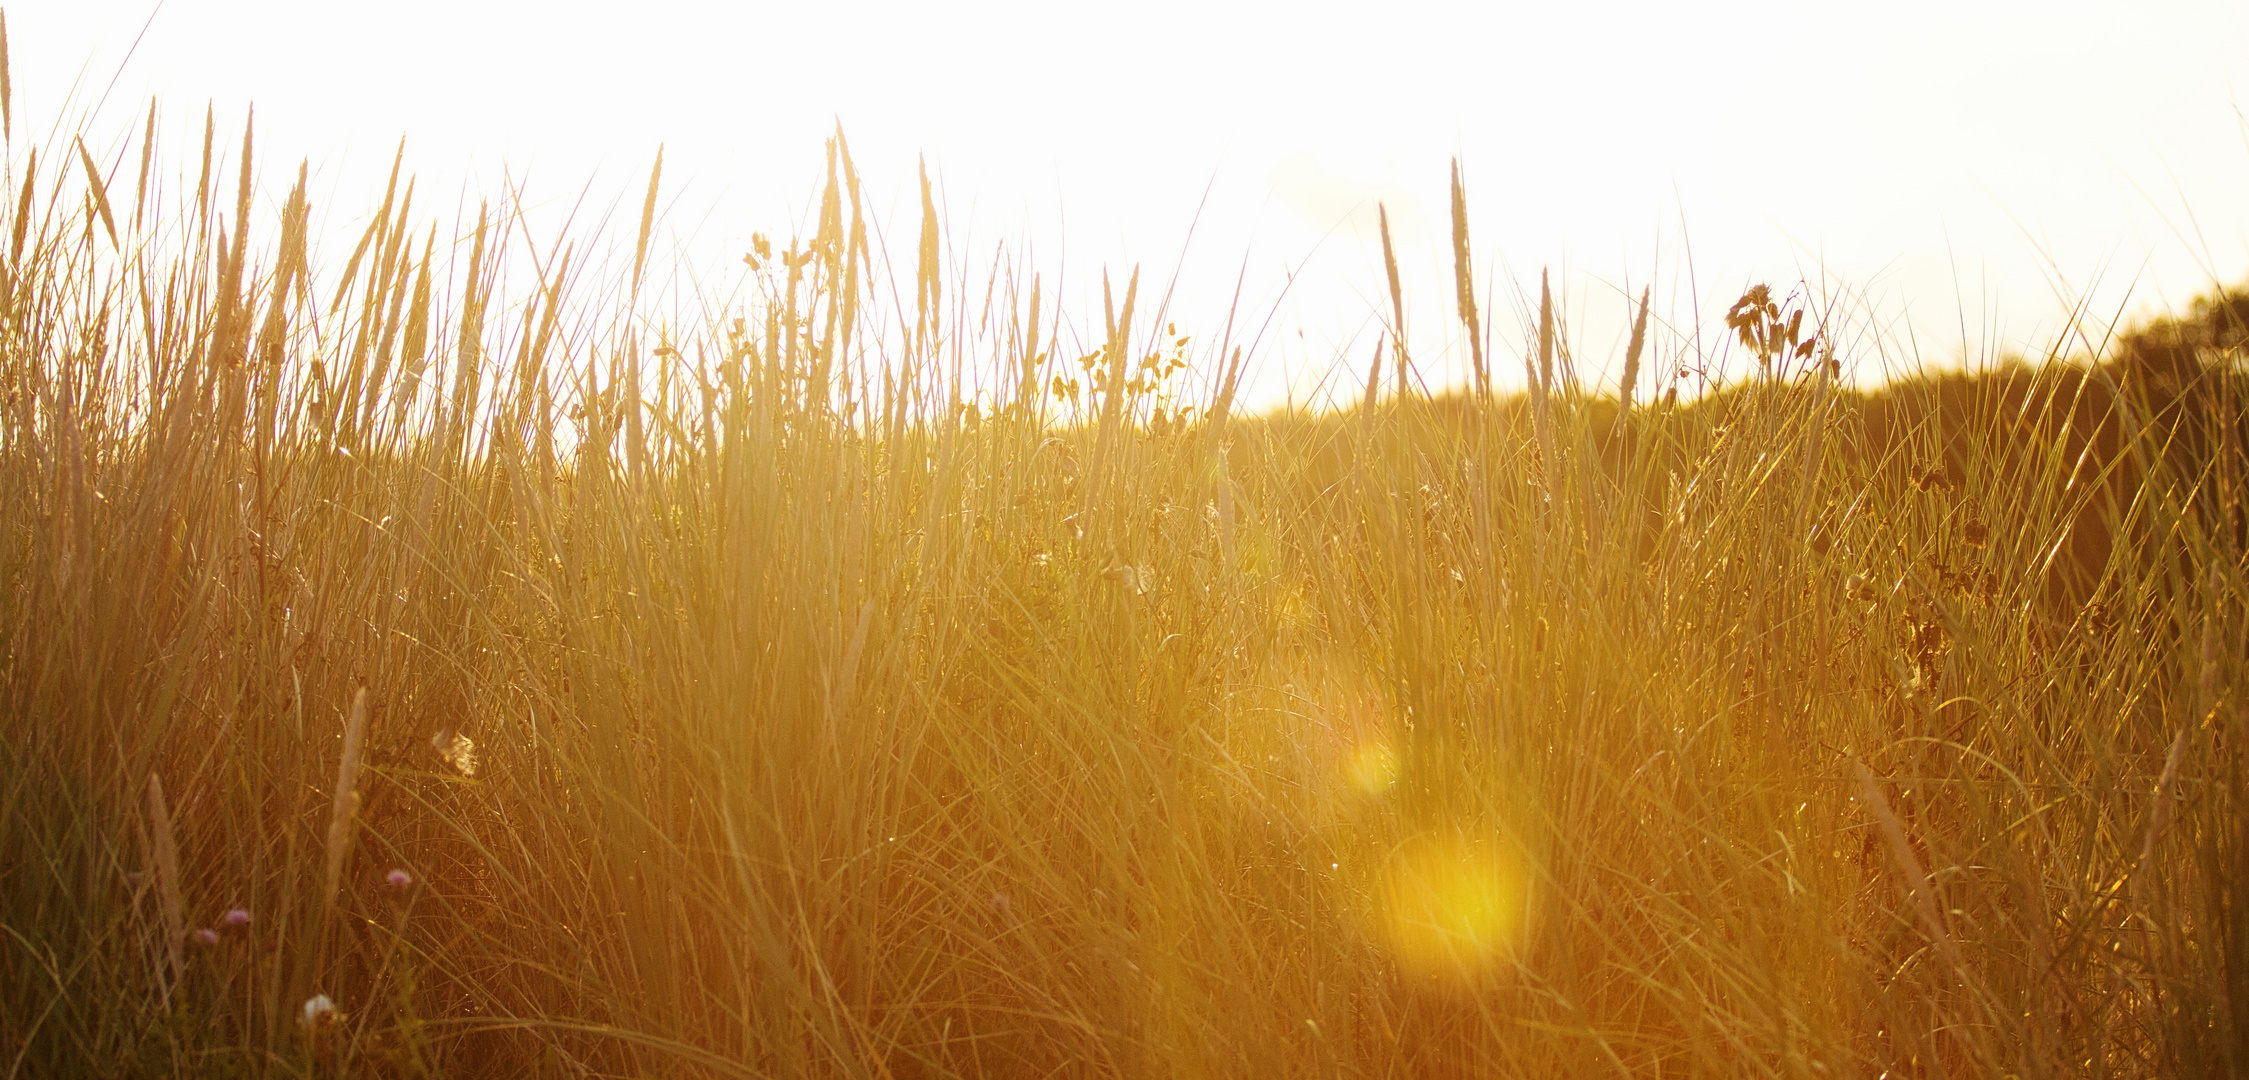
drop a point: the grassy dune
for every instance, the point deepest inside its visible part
(560, 686)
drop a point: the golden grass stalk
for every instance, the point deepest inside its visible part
(1909, 864)
(101, 193)
(7, 89)
(148, 158)
(346, 805)
(1541, 379)
(926, 273)
(203, 175)
(23, 209)
(1464, 279)
(2160, 814)
(1397, 298)
(1925, 907)
(166, 856)
(1117, 352)
(1544, 380)
(2206, 670)
(1632, 354)
(230, 331)
(372, 236)
(647, 222)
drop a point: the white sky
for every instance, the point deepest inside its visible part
(1962, 168)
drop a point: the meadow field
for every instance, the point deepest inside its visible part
(441, 656)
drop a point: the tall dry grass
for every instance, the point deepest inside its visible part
(744, 693)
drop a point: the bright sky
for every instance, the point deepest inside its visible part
(1963, 169)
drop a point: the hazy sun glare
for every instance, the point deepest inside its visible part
(1969, 169)
(1454, 906)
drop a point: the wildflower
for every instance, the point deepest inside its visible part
(398, 879)
(457, 749)
(206, 936)
(235, 919)
(319, 1011)
(1132, 578)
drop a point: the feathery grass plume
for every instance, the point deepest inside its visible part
(346, 804)
(271, 337)
(1030, 358)
(1464, 280)
(379, 324)
(468, 349)
(625, 389)
(166, 856)
(372, 236)
(647, 221)
(830, 249)
(1397, 298)
(542, 403)
(340, 407)
(1113, 386)
(414, 345)
(148, 158)
(100, 193)
(927, 269)
(1229, 381)
(229, 338)
(1541, 380)
(203, 192)
(856, 258)
(23, 211)
(7, 88)
(1545, 373)
(1632, 354)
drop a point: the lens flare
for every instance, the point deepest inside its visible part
(1374, 767)
(1452, 906)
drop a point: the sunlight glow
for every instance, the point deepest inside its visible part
(1374, 767)
(1958, 176)
(1452, 906)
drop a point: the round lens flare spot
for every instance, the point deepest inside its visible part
(1374, 767)
(1450, 907)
